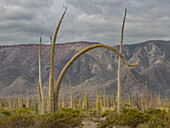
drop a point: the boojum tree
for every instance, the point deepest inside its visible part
(60, 78)
(51, 79)
(40, 83)
(119, 98)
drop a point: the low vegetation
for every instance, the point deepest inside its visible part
(155, 114)
(27, 118)
(132, 117)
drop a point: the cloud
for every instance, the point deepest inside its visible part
(23, 21)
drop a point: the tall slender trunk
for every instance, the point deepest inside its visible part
(51, 79)
(119, 68)
(40, 82)
(113, 103)
(129, 98)
(105, 106)
(27, 102)
(9, 102)
(82, 93)
(98, 108)
(71, 96)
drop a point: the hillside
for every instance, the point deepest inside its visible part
(19, 68)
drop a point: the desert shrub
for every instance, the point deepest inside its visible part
(155, 122)
(92, 112)
(64, 118)
(2, 123)
(2, 109)
(154, 111)
(152, 118)
(111, 118)
(25, 110)
(5, 113)
(160, 118)
(22, 119)
(18, 118)
(107, 112)
(129, 117)
(26, 118)
(107, 123)
(133, 117)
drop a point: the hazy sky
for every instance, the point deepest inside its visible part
(24, 21)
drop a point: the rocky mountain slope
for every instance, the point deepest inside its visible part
(19, 68)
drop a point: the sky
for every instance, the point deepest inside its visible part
(24, 21)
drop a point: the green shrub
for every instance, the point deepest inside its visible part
(18, 118)
(154, 111)
(156, 122)
(133, 117)
(5, 113)
(64, 118)
(111, 118)
(92, 112)
(2, 109)
(25, 110)
(129, 117)
(24, 119)
(160, 118)
(107, 112)
(2, 123)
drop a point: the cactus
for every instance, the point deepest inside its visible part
(63, 103)
(36, 108)
(159, 101)
(84, 102)
(39, 99)
(51, 79)
(78, 102)
(105, 98)
(75, 103)
(101, 98)
(141, 102)
(155, 100)
(9, 102)
(27, 101)
(129, 98)
(108, 101)
(19, 100)
(98, 104)
(119, 69)
(113, 102)
(87, 103)
(71, 96)
(137, 102)
(82, 92)
(146, 96)
(137, 99)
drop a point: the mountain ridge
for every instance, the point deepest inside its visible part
(19, 65)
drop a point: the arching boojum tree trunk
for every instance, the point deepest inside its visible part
(60, 78)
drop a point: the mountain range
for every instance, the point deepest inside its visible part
(19, 68)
